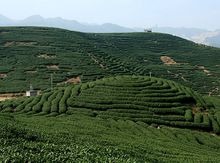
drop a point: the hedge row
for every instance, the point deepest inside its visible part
(38, 107)
(55, 102)
(22, 106)
(30, 105)
(198, 118)
(215, 125)
(47, 105)
(189, 115)
(62, 103)
(122, 99)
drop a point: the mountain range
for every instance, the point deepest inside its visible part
(197, 35)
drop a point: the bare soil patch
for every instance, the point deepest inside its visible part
(8, 96)
(75, 80)
(30, 72)
(195, 109)
(46, 56)
(21, 43)
(204, 70)
(214, 90)
(2, 76)
(7, 44)
(4, 32)
(97, 62)
(53, 67)
(168, 60)
(177, 75)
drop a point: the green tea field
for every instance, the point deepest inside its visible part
(32, 54)
(116, 119)
(116, 97)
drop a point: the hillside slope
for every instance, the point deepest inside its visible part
(32, 54)
(137, 98)
(79, 138)
(116, 119)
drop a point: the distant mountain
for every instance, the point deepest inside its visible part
(201, 36)
(213, 38)
(197, 35)
(33, 20)
(58, 22)
(183, 32)
(194, 34)
(4, 21)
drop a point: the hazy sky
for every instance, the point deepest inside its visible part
(130, 13)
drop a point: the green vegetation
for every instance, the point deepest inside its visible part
(82, 138)
(31, 54)
(116, 113)
(136, 98)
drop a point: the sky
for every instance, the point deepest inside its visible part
(129, 13)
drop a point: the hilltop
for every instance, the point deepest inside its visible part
(197, 35)
(136, 98)
(32, 54)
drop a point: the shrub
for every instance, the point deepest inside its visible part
(29, 106)
(22, 106)
(75, 90)
(218, 117)
(70, 101)
(62, 103)
(215, 125)
(46, 107)
(6, 110)
(55, 102)
(38, 107)
(189, 115)
(206, 119)
(198, 118)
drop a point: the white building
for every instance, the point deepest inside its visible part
(148, 30)
(31, 92)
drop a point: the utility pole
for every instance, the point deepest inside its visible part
(31, 87)
(51, 82)
(150, 73)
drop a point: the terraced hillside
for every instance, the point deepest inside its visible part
(32, 54)
(137, 98)
(78, 138)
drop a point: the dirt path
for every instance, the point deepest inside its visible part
(14, 43)
(96, 61)
(53, 67)
(3, 75)
(213, 91)
(8, 96)
(46, 56)
(177, 75)
(204, 70)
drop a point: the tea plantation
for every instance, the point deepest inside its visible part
(137, 97)
(32, 54)
(119, 119)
